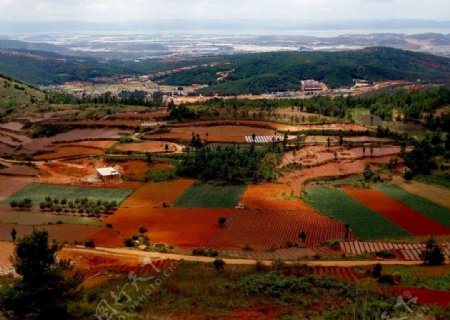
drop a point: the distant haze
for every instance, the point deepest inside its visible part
(299, 11)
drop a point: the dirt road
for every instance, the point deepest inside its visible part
(139, 256)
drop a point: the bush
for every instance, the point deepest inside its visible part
(129, 243)
(219, 264)
(433, 254)
(89, 244)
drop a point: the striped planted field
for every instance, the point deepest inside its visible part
(262, 229)
(364, 222)
(400, 214)
(424, 206)
(341, 273)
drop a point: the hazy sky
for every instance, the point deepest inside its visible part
(298, 10)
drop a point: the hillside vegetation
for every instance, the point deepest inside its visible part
(15, 95)
(283, 71)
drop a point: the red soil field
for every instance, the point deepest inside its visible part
(151, 195)
(296, 178)
(271, 197)
(136, 168)
(273, 229)
(142, 115)
(13, 169)
(61, 232)
(10, 185)
(407, 218)
(175, 226)
(341, 273)
(150, 146)
(424, 296)
(43, 144)
(69, 152)
(211, 138)
(107, 238)
(105, 123)
(13, 126)
(100, 144)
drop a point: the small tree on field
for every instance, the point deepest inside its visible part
(367, 172)
(302, 236)
(377, 269)
(219, 264)
(13, 234)
(433, 254)
(143, 230)
(222, 221)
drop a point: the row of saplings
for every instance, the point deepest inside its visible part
(77, 206)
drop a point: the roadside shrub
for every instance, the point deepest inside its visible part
(129, 243)
(219, 264)
(89, 244)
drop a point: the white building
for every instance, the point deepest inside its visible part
(108, 173)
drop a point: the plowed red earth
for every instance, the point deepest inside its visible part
(341, 273)
(10, 185)
(424, 296)
(262, 229)
(271, 196)
(175, 226)
(68, 152)
(407, 218)
(60, 232)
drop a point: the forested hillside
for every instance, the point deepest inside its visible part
(282, 71)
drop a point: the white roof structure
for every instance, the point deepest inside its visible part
(107, 172)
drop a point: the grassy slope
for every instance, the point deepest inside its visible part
(15, 95)
(38, 192)
(208, 196)
(365, 223)
(426, 207)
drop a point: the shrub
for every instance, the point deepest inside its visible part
(219, 264)
(222, 221)
(129, 243)
(143, 229)
(433, 254)
(89, 244)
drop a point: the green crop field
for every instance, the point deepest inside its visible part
(37, 193)
(29, 218)
(365, 223)
(208, 196)
(424, 206)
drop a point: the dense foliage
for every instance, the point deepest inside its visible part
(45, 287)
(230, 164)
(283, 71)
(414, 105)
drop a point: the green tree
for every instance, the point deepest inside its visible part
(367, 172)
(45, 286)
(433, 254)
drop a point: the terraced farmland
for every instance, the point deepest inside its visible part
(209, 196)
(364, 222)
(262, 229)
(403, 216)
(424, 206)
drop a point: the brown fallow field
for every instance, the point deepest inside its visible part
(151, 146)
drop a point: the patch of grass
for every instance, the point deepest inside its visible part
(210, 196)
(421, 276)
(365, 223)
(28, 218)
(424, 206)
(433, 180)
(38, 192)
(160, 175)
